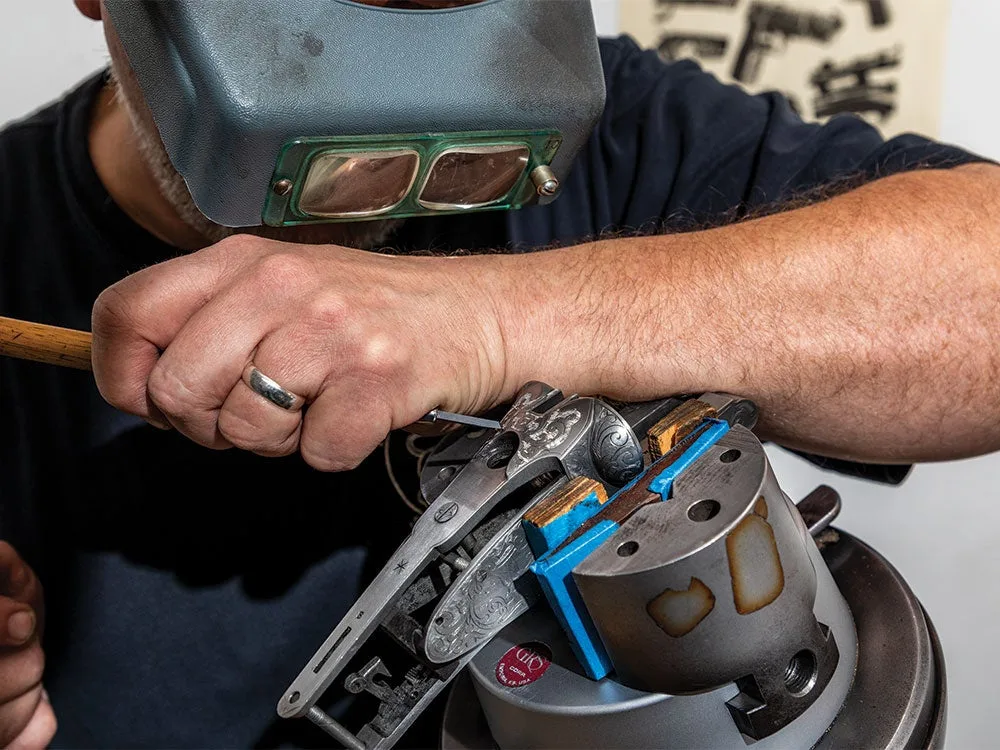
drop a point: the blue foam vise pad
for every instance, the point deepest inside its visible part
(554, 572)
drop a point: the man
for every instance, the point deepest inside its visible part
(849, 286)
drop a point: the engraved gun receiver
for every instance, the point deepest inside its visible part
(460, 576)
(770, 24)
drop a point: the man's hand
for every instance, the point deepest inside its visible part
(371, 342)
(26, 717)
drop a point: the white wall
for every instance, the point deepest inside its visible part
(938, 529)
(46, 46)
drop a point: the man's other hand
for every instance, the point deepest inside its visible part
(27, 721)
(371, 342)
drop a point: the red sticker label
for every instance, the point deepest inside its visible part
(523, 664)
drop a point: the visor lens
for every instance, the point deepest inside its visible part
(473, 176)
(344, 185)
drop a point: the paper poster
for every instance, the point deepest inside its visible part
(882, 60)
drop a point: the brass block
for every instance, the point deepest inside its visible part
(677, 425)
(563, 502)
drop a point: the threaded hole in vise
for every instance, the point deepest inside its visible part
(801, 673)
(729, 456)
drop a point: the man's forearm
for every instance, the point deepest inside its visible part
(865, 326)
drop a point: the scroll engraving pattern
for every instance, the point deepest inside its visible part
(481, 601)
(615, 450)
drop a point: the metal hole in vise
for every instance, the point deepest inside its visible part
(730, 456)
(704, 510)
(628, 549)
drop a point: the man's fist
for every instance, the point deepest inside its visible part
(370, 342)
(27, 721)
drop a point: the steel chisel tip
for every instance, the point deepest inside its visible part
(437, 415)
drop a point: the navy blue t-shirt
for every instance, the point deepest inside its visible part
(185, 587)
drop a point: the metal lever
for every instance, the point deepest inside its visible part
(819, 509)
(366, 680)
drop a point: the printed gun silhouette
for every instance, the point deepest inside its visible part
(859, 95)
(770, 23)
(879, 11)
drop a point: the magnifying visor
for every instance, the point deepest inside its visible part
(287, 113)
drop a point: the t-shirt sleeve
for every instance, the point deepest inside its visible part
(679, 150)
(682, 148)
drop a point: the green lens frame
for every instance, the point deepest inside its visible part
(296, 158)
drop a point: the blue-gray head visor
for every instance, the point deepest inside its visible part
(308, 111)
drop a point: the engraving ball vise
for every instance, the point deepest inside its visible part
(608, 575)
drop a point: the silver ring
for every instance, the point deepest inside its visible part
(262, 385)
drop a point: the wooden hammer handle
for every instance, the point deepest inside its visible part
(52, 345)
